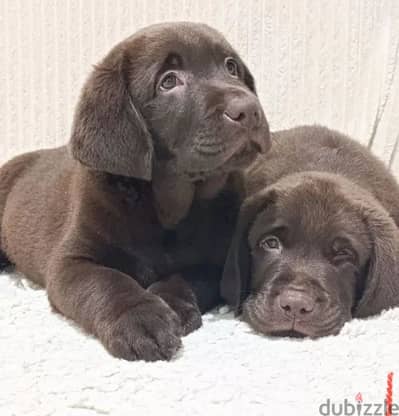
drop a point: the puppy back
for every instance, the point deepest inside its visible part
(317, 148)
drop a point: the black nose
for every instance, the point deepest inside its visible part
(244, 111)
(296, 304)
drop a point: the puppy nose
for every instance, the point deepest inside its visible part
(296, 304)
(243, 111)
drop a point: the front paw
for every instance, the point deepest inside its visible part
(180, 297)
(189, 313)
(149, 331)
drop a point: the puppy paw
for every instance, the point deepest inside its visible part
(180, 297)
(189, 313)
(149, 331)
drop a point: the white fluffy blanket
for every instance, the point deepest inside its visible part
(49, 367)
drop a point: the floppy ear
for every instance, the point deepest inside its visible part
(381, 290)
(237, 269)
(109, 133)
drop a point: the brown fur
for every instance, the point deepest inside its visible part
(317, 238)
(143, 187)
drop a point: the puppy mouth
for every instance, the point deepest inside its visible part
(216, 157)
(288, 334)
(211, 149)
(293, 329)
(216, 149)
(246, 152)
(273, 326)
(283, 329)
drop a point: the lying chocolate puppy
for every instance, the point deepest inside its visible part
(317, 241)
(141, 193)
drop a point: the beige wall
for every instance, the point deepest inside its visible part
(332, 62)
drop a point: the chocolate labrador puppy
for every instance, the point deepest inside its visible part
(317, 239)
(128, 226)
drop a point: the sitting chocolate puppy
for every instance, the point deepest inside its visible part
(142, 192)
(317, 239)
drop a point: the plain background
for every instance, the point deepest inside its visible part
(331, 62)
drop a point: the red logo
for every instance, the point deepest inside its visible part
(388, 398)
(359, 397)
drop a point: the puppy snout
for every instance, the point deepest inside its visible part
(296, 304)
(245, 112)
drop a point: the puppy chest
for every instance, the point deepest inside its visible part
(201, 237)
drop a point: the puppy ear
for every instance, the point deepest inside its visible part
(109, 133)
(381, 288)
(237, 269)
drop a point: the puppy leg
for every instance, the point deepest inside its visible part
(190, 293)
(131, 322)
(177, 293)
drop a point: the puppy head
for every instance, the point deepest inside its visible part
(309, 253)
(176, 94)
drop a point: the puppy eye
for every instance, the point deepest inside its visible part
(169, 81)
(345, 252)
(269, 243)
(342, 252)
(232, 67)
(343, 255)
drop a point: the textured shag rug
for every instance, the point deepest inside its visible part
(49, 367)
